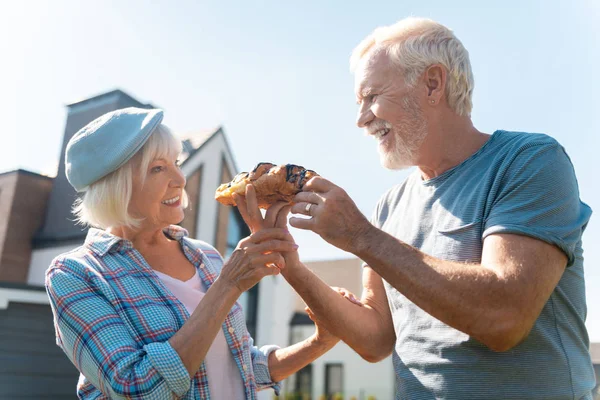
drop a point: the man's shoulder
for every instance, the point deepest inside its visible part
(517, 141)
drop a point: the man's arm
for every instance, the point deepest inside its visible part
(368, 329)
(497, 302)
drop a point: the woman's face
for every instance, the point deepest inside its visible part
(159, 199)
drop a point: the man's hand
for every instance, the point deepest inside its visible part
(335, 216)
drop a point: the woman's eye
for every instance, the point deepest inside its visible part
(156, 169)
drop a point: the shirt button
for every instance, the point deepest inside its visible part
(202, 265)
(231, 330)
(245, 367)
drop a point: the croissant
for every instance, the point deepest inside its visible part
(272, 183)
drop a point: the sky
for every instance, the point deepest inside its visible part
(275, 76)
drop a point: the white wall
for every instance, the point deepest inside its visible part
(40, 261)
(361, 378)
(274, 311)
(209, 156)
(276, 307)
(21, 296)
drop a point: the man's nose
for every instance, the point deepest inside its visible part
(365, 116)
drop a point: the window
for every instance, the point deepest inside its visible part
(334, 380)
(237, 230)
(303, 386)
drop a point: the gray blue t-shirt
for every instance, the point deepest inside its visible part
(518, 183)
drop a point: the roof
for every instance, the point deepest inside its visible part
(595, 352)
(192, 141)
(24, 171)
(116, 92)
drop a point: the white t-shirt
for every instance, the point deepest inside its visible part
(224, 378)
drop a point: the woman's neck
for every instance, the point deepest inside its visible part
(141, 238)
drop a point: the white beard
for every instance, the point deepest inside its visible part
(408, 138)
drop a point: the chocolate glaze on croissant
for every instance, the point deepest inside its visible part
(272, 183)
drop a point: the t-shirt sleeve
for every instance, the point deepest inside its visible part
(538, 196)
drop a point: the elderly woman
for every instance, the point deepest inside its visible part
(142, 310)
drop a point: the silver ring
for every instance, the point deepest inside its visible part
(307, 208)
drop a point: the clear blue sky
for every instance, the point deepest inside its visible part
(275, 75)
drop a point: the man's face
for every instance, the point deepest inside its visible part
(389, 111)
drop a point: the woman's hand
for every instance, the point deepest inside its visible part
(275, 217)
(321, 333)
(255, 257)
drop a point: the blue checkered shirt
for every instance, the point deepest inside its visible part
(113, 318)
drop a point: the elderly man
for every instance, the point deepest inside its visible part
(473, 273)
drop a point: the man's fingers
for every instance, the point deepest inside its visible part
(302, 223)
(282, 217)
(301, 208)
(318, 184)
(308, 197)
(273, 213)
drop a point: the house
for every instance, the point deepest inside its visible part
(36, 225)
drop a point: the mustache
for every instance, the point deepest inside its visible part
(377, 125)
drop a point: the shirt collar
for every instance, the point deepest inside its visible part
(102, 242)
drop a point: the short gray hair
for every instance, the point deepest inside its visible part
(417, 43)
(105, 203)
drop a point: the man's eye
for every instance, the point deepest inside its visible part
(373, 98)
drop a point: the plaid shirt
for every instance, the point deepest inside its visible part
(113, 318)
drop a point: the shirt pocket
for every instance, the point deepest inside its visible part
(459, 241)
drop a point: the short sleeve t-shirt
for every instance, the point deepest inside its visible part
(518, 183)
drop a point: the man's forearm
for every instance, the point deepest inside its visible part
(289, 360)
(359, 327)
(469, 297)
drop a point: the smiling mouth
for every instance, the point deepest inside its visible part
(171, 201)
(379, 134)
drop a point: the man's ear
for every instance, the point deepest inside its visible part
(435, 83)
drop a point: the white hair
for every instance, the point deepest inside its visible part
(414, 44)
(105, 203)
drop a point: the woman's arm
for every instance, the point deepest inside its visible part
(101, 346)
(287, 361)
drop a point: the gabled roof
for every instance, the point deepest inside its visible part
(117, 92)
(194, 141)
